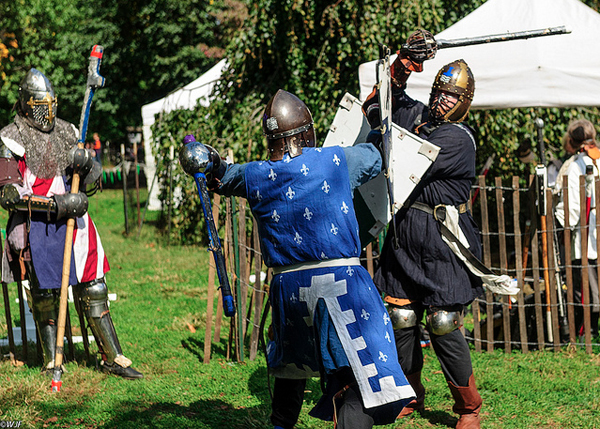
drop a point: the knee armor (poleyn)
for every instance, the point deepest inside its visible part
(442, 322)
(402, 317)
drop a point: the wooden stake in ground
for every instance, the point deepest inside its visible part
(94, 81)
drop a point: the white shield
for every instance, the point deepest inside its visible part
(410, 157)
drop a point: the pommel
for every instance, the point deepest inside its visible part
(197, 158)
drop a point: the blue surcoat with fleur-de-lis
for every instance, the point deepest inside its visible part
(326, 312)
(303, 207)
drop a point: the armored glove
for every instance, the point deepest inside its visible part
(83, 164)
(9, 197)
(71, 205)
(419, 47)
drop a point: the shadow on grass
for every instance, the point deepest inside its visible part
(439, 418)
(204, 413)
(213, 414)
(196, 347)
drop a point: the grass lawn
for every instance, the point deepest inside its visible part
(160, 317)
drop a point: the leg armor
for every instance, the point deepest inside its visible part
(44, 304)
(402, 317)
(93, 298)
(443, 321)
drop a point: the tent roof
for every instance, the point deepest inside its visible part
(197, 91)
(551, 71)
(187, 97)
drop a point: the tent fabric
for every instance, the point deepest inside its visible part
(551, 71)
(196, 92)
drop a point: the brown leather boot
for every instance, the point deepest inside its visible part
(467, 404)
(416, 404)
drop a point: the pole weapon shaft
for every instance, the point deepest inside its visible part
(94, 81)
(215, 245)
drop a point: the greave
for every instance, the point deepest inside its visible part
(93, 297)
(44, 306)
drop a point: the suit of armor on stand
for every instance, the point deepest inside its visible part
(38, 152)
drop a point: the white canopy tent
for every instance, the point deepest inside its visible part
(196, 92)
(551, 71)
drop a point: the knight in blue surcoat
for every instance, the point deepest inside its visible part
(328, 318)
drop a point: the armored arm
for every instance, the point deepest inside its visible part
(419, 47)
(66, 205)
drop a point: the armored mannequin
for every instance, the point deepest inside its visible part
(38, 155)
(422, 276)
(326, 309)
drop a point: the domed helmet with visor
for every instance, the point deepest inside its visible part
(452, 93)
(37, 101)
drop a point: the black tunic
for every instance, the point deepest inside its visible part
(424, 268)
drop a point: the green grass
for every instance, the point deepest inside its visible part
(162, 299)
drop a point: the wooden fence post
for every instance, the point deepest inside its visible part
(505, 300)
(487, 260)
(258, 294)
(243, 269)
(519, 265)
(585, 281)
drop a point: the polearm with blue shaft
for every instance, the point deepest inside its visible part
(197, 159)
(94, 81)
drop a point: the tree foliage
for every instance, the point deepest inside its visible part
(313, 49)
(309, 47)
(150, 48)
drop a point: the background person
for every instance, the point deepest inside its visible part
(580, 137)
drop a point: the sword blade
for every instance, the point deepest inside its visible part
(518, 35)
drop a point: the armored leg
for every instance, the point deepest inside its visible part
(407, 333)
(452, 351)
(93, 299)
(44, 304)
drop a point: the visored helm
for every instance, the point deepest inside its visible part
(37, 102)
(452, 92)
(287, 125)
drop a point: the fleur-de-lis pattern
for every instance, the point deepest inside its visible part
(313, 188)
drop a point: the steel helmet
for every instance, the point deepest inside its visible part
(287, 125)
(37, 102)
(454, 78)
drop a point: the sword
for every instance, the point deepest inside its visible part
(518, 35)
(193, 157)
(385, 112)
(94, 81)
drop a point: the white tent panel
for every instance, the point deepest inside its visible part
(196, 92)
(551, 71)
